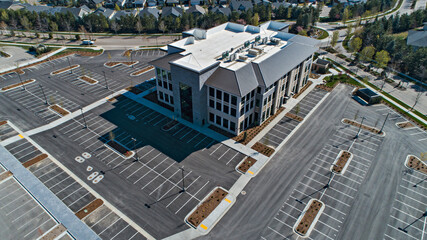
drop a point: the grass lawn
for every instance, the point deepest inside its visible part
(343, 78)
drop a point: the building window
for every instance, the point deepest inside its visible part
(211, 117)
(257, 102)
(218, 106)
(265, 101)
(242, 111)
(226, 97)
(159, 82)
(225, 109)
(241, 126)
(166, 97)
(211, 92)
(161, 95)
(218, 120)
(233, 100)
(247, 107)
(165, 84)
(170, 86)
(211, 103)
(218, 94)
(243, 100)
(252, 104)
(169, 76)
(158, 71)
(225, 123)
(171, 98)
(233, 112)
(232, 126)
(269, 98)
(164, 73)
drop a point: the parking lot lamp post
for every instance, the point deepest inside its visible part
(41, 87)
(183, 177)
(84, 119)
(69, 64)
(134, 148)
(382, 127)
(105, 78)
(20, 79)
(360, 127)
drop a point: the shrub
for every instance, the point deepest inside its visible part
(50, 35)
(77, 37)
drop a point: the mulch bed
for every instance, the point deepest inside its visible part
(3, 122)
(34, 160)
(405, 125)
(342, 161)
(54, 233)
(115, 98)
(140, 72)
(246, 164)
(89, 208)
(203, 211)
(416, 164)
(153, 98)
(356, 124)
(324, 87)
(88, 79)
(309, 217)
(252, 132)
(293, 116)
(65, 69)
(134, 90)
(168, 126)
(119, 148)
(303, 89)
(263, 149)
(59, 110)
(18, 84)
(128, 63)
(5, 175)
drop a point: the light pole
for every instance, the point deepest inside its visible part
(404, 229)
(84, 119)
(41, 87)
(69, 64)
(360, 128)
(183, 177)
(105, 78)
(22, 84)
(134, 148)
(382, 127)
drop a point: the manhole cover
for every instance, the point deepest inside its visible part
(89, 168)
(86, 155)
(79, 159)
(131, 117)
(243, 192)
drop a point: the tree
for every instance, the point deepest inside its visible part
(297, 109)
(116, 7)
(25, 23)
(367, 53)
(382, 58)
(334, 40)
(139, 27)
(162, 26)
(355, 45)
(255, 19)
(115, 26)
(53, 26)
(349, 30)
(345, 15)
(3, 27)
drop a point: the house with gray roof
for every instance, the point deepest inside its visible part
(196, 10)
(5, 4)
(242, 6)
(150, 11)
(107, 12)
(172, 11)
(417, 38)
(233, 76)
(221, 10)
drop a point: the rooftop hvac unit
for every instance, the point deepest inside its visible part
(253, 52)
(243, 58)
(275, 41)
(264, 40)
(257, 38)
(233, 57)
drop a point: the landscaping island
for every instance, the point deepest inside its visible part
(246, 164)
(294, 117)
(204, 209)
(17, 85)
(404, 125)
(263, 149)
(365, 127)
(61, 111)
(62, 70)
(142, 71)
(342, 161)
(120, 149)
(87, 79)
(114, 64)
(312, 211)
(416, 164)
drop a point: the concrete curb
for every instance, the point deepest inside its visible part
(346, 164)
(25, 84)
(314, 221)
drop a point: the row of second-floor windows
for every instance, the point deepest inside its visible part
(166, 97)
(248, 97)
(220, 95)
(165, 75)
(245, 108)
(222, 122)
(222, 107)
(268, 99)
(164, 84)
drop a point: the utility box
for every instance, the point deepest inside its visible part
(369, 96)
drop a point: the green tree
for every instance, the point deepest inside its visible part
(25, 23)
(53, 26)
(382, 58)
(355, 45)
(334, 40)
(367, 53)
(116, 7)
(255, 19)
(345, 15)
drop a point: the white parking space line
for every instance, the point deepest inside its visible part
(192, 196)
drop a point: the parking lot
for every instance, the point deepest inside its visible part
(6, 132)
(342, 191)
(286, 125)
(196, 163)
(21, 216)
(66, 89)
(106, 224)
